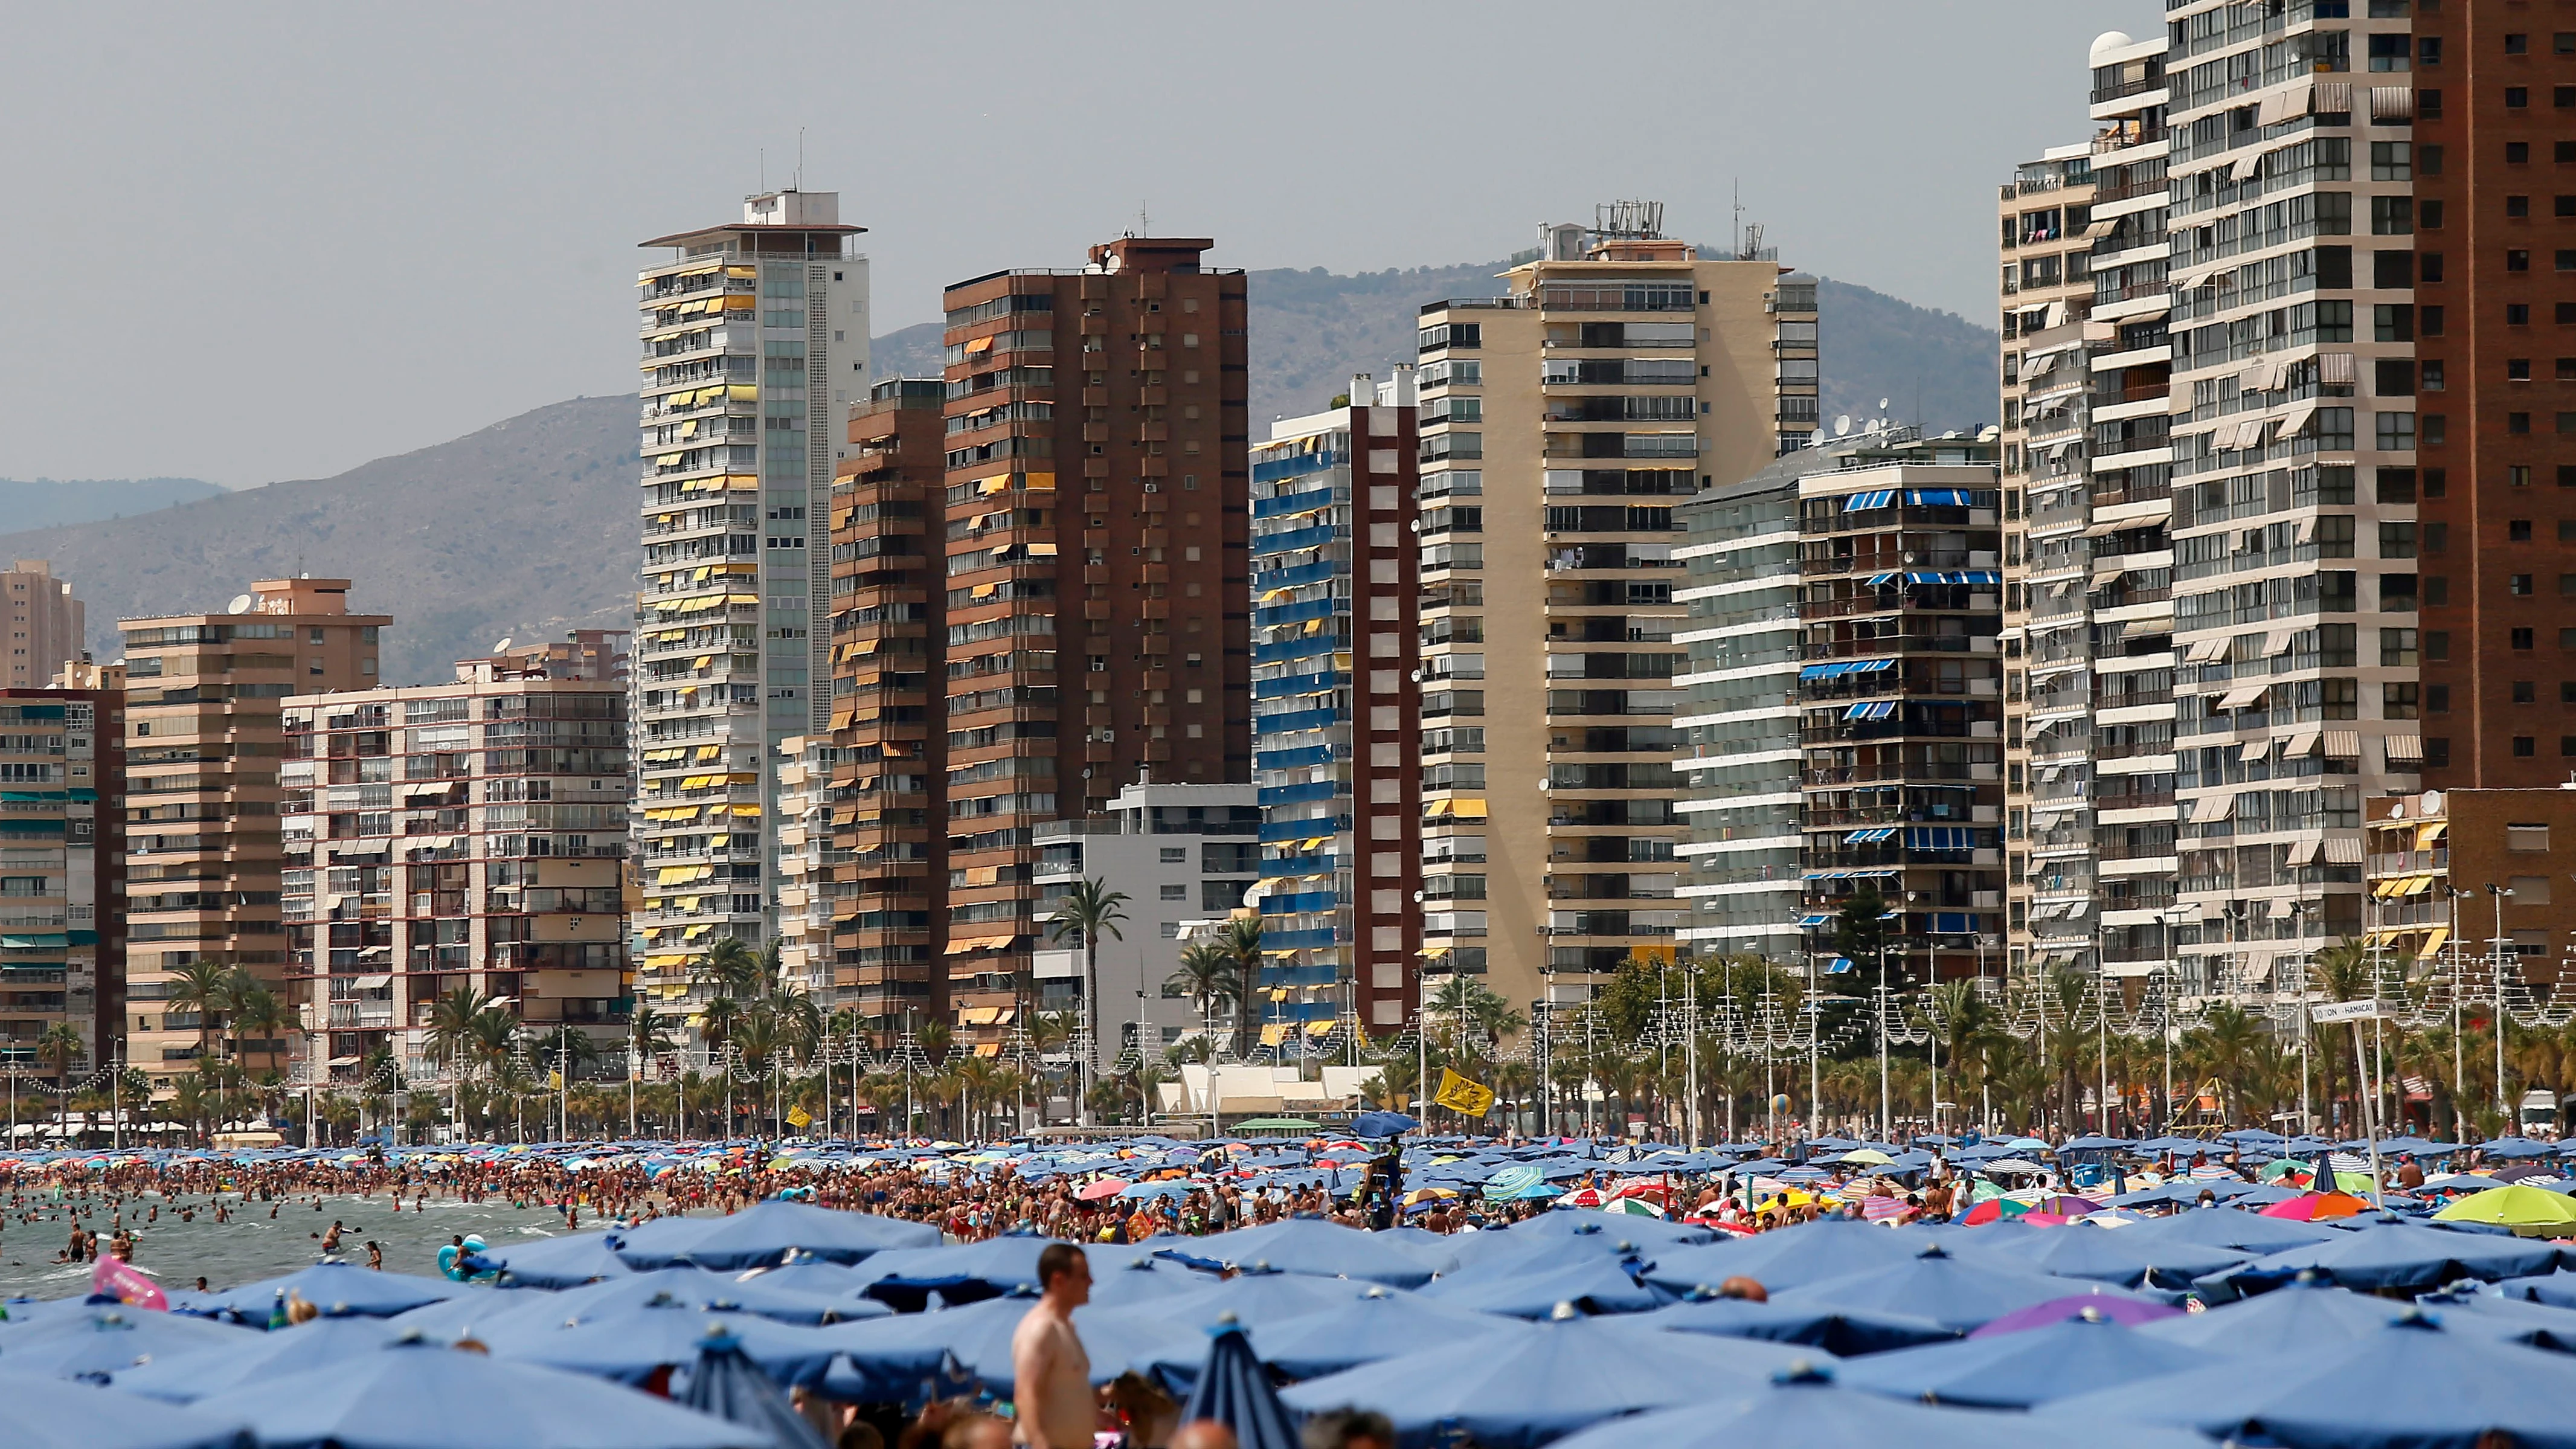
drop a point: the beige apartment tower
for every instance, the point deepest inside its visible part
(46, 624)
(1561, 423)
(205, 696)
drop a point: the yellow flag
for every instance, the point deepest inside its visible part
(1460, 1095)
(554, 1081)
(799, 1117)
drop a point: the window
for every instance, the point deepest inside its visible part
(2516, 43)
(2392, 215)
(2392, 161)
(2517, 260)
(2396, 432)
(2397, 701)
(2517, 530)
(2428, 217)
(2526, 839)
(2516, 97)
(2437, 699)
(1176, 855)
(2437, 591)
(2523, 747)
(2517, 153)
(2395, 270)
(2397, 648)
(2520, 639)
(2437, 536)
(2428, 53)
(2392, 322)
(2396, 540)
(2429, 373)
(2518, 314)
(2525, 692)
(1173, 891)
(2437, 645)
(2517, 422)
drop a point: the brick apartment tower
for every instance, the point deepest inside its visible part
(886, 885)
(62, 862)
(1096, 455)
(205, 695)
(2495, 218)
(47, 626)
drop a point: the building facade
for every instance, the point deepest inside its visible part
(883, 886)
(2497, 480)
(1900, 696)
(1561, 424)
(62, 880)
(469, 835)
(204, 747)
(1185, 856)
(48, 628)
(755, 342)
(1095, 456)
(2464, 890)
(1339, 752)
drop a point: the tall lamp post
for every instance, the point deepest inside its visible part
(2497, 944)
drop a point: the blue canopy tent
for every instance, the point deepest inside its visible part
(1232, 1389)
(1258, 1298)
(2408, 1385)
(2106, 1255)
(2309, 1309)
(724, 1383)
(495, 1312)
(1806, 1408)
(1955, 1291)
(1846, 1333)
(1785, 1258)
(2017, 1370)
(335, 1288)
(1136, 1276)
(420, 1397)
(766, 1232)
(2229, 1228)
(2557, 1288)
(2388, 1253)
(46, 1413)
(1526, 1389)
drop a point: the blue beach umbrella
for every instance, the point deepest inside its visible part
(1304, 1245)
(2017, 1370)
(421, 1397)
(566, 1262)
(766, 1232)
(1593, 1283)
(1785, 1258)
(964, 1273)
(183, 1378)
(1808, 1409)
(1527, 1389)
(1847, 1333)
(48, 1413)
(335, 1288)
(2391, 1254)
(2108, 1255)
(2408, 1385)
(1955, 1291)
(1257, 1299)
(1234, 1390)
(1380, 1324)
(632, 1346)
(725, 1384)
(2307, 1310)
(2230, 1228)
(110, 1338)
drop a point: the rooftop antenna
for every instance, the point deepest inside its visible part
(1144, 223)
(799, 183)
(1739, 217)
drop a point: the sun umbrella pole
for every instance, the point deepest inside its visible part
(2369, 1122)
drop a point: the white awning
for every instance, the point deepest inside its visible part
(2210, 809)
(2204, 651)
(375, 983)
(2242, 695)
(2255, 751)
(2304, 851)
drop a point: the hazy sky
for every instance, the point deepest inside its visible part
(256, 242)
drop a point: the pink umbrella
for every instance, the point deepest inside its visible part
(1104, 1188)
(2129, 1311)
(2069, 1205)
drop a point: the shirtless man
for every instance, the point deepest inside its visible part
(1052, 1389)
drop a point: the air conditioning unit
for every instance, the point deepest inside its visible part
(1153, 487)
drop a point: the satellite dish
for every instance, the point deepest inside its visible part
(240, 605)
(1882, 404)
(504, 644)
(1842, 424)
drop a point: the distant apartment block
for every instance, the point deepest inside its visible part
(755, 341)
(204, 745)
(468, 835)
(47, 626)
(1561, 425)
(62, 881)
(1339, 752)
(1095, 558)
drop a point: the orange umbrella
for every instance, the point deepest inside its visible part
(2315, 1207)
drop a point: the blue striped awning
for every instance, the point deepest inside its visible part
(1874, 709)
(1870, 837)
(1938, 497)
(1864, 502)
(1848, 666)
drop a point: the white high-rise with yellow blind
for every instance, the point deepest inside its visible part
(755, 339)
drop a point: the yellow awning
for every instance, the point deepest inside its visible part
(980, 344)
(2427, 836)
(1038, 482)
(743, 392)
(658, 962)
(1438, 807)
(702, 661)
(709, 752)
(2433, 942)
(1041, 550)
(984, 591)
(1318, 1028)
(1274, 1033)
(998, 483)
(746, 809)
(694, 932)
(1468, 807)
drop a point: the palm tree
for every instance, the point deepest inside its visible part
(59, 1045)
(256, 1012)
(1090, 908)
(1241, 938)
(451, 1020)
(205, 988)
(1206, 977)
(732, 968)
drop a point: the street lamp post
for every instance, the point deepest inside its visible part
(2496, 894)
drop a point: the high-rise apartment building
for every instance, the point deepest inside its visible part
(1561, 424)
(2493, 161)
(47, 626)
(204, 746)
(1900, 695)
(1096, 443)
(62, 879)
(461, 835)
(1339, 751)
(877, 907)
(2292, 333)
(755, 341)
